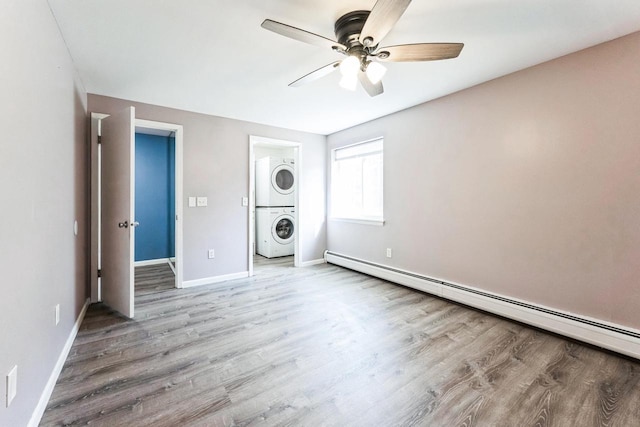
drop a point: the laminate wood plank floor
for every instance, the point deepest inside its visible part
(326, 346)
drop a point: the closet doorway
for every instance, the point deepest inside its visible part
(155, 197)
(170, 234)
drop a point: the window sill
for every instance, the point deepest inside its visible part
(376, 222)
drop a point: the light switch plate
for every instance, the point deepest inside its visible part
(201, 201)
(245, 201)
(12, 384)
(388, 252)
(192, 202)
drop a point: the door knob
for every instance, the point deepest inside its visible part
(123, 224)
(135, 224)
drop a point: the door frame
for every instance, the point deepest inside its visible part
(297, 155)
(96, 198)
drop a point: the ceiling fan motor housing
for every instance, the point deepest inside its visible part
(348, 29)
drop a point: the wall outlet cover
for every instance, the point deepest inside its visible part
(212, 254)
(192, 202)
(201, 201)
(388, 252)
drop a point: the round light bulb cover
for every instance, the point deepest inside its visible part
(350, 66)
(375, 72)
(349, 82)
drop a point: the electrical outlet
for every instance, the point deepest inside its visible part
(12, 384)
(212, 254)
(57, 314)
(388, 252)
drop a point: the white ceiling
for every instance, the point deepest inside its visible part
(212, 56)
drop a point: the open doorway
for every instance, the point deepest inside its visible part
(155, 197)
(274, 220)
(173, 236)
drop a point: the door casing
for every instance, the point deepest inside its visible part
(95, 199)
(297, 155)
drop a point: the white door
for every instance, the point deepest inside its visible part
(117, 232)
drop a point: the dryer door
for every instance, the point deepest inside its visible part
(282, 229)
(282, 179)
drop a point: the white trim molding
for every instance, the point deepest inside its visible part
(312, 262)
(363, 221)
(214, 279)
(603, 334)
(147, 262)
(38, 412)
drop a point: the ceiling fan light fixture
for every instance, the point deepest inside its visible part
(375, 72)
(349, 82)
(358, 35)
(350, 66)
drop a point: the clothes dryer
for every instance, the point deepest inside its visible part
(275, 182)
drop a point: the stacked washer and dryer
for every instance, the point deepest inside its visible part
(275, 206)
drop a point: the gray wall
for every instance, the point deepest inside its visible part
(527, 186)
(216, 165)
(43, 170)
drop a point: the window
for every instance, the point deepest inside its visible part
(356, 181)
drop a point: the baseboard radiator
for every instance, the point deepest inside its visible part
(603, 334)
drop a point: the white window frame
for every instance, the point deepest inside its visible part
(359, 219)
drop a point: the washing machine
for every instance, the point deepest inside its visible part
(274, 231)
(275, 182)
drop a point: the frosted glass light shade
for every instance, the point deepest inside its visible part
(375, 72)
(350, 66)
(349, 82)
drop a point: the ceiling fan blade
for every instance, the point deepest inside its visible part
(301, 35)
(383, 17)
(418, 52)
(315, 75)
(371, 88)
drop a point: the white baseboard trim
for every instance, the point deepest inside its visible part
(157, 261)
(312, 262)
(53, 378)
(214, 279)
(618, 338)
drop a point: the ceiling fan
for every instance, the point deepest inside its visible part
(359, 34)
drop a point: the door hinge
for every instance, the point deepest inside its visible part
(99, 139)
(99, 273)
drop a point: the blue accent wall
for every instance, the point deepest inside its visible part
(172, 196)
(155, 197)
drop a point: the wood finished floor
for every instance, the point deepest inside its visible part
(325, 346)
